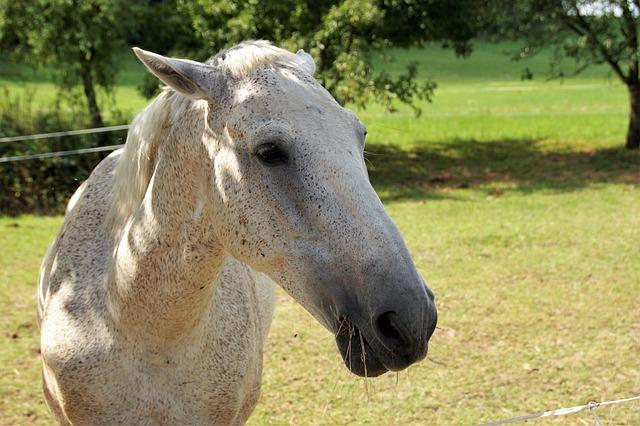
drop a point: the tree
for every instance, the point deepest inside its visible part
(344, 37)
(81, 37)
(590, 31)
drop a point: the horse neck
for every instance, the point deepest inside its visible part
(167, 261)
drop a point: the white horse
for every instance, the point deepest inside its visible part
(156, 298)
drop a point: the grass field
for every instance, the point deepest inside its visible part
(520, 208)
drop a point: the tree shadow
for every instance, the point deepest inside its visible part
(433, 169)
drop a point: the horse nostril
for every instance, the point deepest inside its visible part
(387, 328)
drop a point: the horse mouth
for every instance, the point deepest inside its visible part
(356, 351)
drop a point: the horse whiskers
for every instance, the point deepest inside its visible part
(349, 345)
(435, 361)
(335, 314)
(340, 327)
(384, 126)
(422, 311)
(364, 363)
(396, 389)
(368, 161)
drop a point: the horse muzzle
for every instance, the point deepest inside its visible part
(391, 340)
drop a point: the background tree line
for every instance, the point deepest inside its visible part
(82, 38)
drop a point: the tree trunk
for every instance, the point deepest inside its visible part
(90, 94)
(633, 134)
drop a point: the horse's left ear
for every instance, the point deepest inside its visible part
(193, 79)
(307, 61)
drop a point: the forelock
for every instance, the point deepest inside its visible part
(249, 56)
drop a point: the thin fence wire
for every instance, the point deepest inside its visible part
(59, 153)
(591, 406)
(25, 138)
(65, 133)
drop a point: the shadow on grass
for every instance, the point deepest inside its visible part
(432, 170)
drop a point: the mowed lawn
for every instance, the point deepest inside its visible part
(522, 211)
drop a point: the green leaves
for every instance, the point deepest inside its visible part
(588, 31)
(341, 35)
(81, 36)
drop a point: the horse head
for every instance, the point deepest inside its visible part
(291, 198)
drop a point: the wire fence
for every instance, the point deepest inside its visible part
(41, 136)
(592, 406)
(65, 133)
(59, 153)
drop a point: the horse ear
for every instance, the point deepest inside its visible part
(193, 79)
(307, 61)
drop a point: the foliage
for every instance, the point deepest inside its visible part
(79, 37)
(159, 27)
(342, 35)
(589, 31)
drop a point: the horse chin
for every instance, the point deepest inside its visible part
(357, 353)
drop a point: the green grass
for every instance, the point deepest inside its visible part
(522, 211)
(20, 78)
(489, 73)
(488, 62)
(23, 244)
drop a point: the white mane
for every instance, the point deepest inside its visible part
(151, 126)
(248, 56)
(137, 160)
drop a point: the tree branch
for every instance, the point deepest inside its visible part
(573, 27)
(582, 24)
(572, 74)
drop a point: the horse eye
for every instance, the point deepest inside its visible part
(271, 155)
